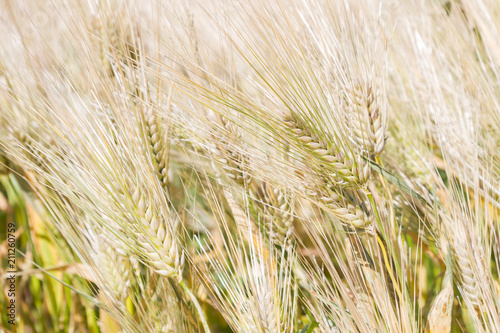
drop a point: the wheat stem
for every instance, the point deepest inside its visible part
(388, 193)
(389, 269)
(197, 305)
(391, 249)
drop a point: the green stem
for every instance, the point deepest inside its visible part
(389, 245)
(311, 327)
(389, 195)
(197, 305)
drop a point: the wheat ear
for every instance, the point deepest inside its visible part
(158, 245)
(156, 240)
(234, 164)
(278, 215)
(369, 117)
(466, 273)
(343, 204)
(34, 155)
(116, 268)
(157, 143)
(440, 315)
(349, 170)
(267, 309)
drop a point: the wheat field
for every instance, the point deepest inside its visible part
(280, 166)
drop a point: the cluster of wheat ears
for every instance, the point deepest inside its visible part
(264, 166)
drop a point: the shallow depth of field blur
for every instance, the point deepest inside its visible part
(250, 166)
